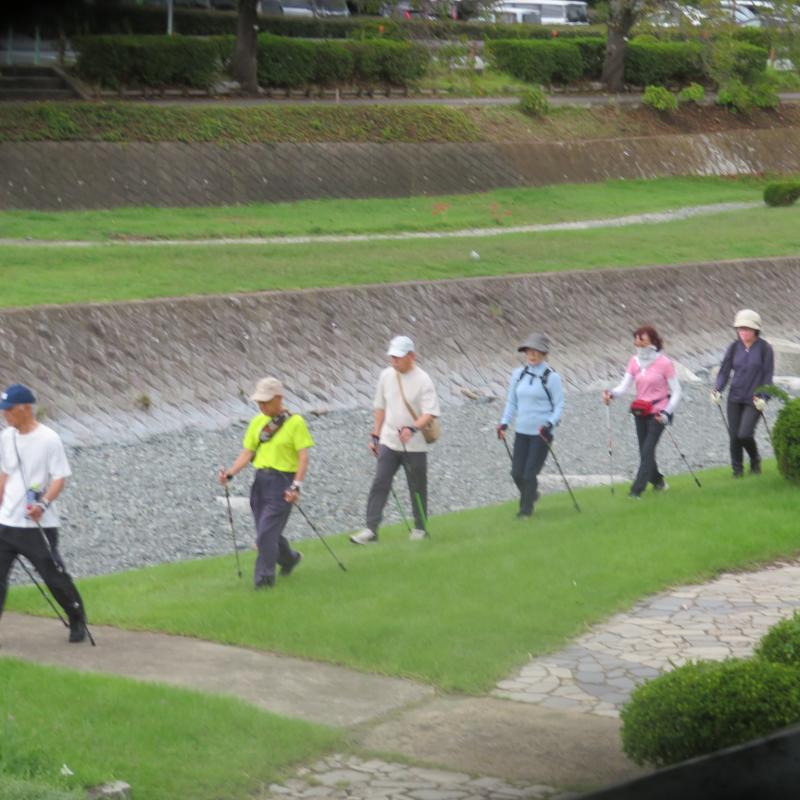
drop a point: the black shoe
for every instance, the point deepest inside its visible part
(524, 514)
(265, 583)
(737, 473)
(755, 467)
(77, 630)
(634, 496)
(287, 569)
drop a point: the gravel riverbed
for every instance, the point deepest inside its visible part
(139, 504)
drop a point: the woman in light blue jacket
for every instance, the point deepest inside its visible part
(536, 400)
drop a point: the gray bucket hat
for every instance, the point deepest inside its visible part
(536, 341)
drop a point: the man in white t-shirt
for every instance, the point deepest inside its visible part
(405, 402)
(33, 472)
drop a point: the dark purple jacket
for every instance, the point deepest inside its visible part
(751, 368)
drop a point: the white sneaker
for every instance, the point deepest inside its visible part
(364, 537)
(417, 535)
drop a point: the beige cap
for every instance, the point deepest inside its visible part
(747, 318)
(266, 389)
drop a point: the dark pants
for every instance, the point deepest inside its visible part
(530, 453)
(648, 432)
(271, 513)
(28, 542)
(416, 469)
(742, 421)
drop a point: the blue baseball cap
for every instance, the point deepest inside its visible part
(16, 395)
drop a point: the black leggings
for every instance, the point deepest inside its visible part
(530, 453)
(742, 421)
(648, 432)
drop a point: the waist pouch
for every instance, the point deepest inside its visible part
(642, 408)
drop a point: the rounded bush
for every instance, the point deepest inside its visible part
(786, 433)
(705, 706)
(735, 96)
(534, 102)
(781, 643)
(659, 98)
(693, 93)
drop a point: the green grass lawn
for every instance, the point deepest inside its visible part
(167, 743)
(74, 275)
(462, 610)
(502, 207)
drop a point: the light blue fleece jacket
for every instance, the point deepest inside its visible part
(528, 402)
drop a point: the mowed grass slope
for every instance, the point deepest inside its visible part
(503, 207)
(166, 743)
(462, 610)
(115, 273)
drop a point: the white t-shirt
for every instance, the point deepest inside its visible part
(420, 393)
(43, 460)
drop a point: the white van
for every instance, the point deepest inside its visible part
(548, 12)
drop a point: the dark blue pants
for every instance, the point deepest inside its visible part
(742, 421)
(530, 453)
(271, 513)
(28, 542)
(648, 432)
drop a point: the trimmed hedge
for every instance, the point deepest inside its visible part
(660, 63)
(295, 64)
(786, 433)
(152, 61)
(781, 643)
(706, 706)
(537, 61)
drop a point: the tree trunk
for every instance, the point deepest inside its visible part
(614, 63)
(244, 57)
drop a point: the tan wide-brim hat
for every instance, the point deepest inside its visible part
(266, 389)
(747, 318)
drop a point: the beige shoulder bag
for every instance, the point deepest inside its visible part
(433, 430)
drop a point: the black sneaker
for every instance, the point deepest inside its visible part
(287, 569)
(77, 630)
(265, 583)
(737, 473)
(755, 467)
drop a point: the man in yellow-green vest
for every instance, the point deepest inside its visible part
(276, 442)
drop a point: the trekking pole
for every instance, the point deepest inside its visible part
(417, 498)
(610, 450)
(59, 564)
(724, 420)
(397, 503)
(683, 457)
(233, 532)
(321, 537)
(508, 449)
(42, 592)
(563, 476)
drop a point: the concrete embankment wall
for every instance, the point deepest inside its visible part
(194, 360)
(83, 175)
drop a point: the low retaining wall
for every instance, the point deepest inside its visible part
(82, 175)
(120, 371)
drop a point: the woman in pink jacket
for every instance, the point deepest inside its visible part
(657, 395)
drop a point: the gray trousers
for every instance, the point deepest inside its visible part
(742, 421)
(271, 513)
(389, 461)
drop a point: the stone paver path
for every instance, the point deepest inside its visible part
(344, 777)
(597, 672)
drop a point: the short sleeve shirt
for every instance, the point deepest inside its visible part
(280, 452)
(421, 395)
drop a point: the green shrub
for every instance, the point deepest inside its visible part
(786, 433)
(534, 61)
(148, 61)
(663, 63)
(781, 643)
(659, 98)
(749, 61)
(285, 63)
(593, 54)
(693, 93)
(387, 62)
(705, 706)
(334, 64)
(764, 93)
(735, 96)
(534, 102)
(760, 37)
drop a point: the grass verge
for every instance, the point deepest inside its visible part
(114, 273)
(462, 610)
(503, 207)
(166, 743)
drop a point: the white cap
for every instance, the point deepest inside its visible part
(747, 318)
(266, 389)
(400, 346)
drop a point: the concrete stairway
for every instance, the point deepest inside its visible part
(34, 83)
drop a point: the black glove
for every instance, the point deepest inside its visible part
(546, 432)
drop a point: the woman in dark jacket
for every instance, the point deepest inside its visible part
(751, 360)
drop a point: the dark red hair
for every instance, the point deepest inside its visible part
(652, 334)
